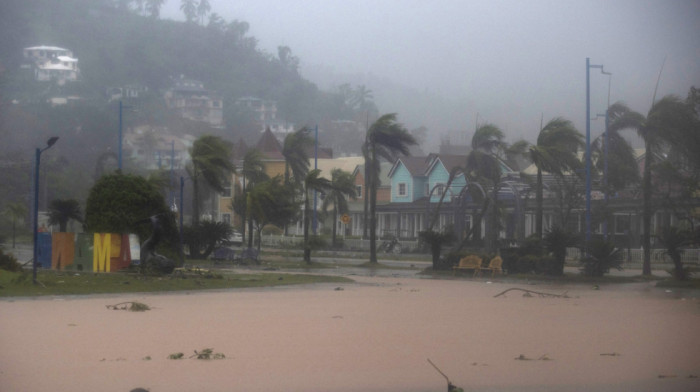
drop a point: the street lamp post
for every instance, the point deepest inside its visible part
(588, 143)
(52, 140)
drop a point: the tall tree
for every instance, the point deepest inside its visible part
(484, 167)
(16, 212)
(61, 211)
(253, 172)
(153, 7)
(556, 153)
(272, 202)
(296, 157)
(211, 162)
(203, 8)
(342, 187)
(668, 116)
(312, 182)
(386, 139)
(189, 8)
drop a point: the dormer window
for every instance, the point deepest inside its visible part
(402, 189)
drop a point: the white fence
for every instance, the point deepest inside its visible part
(630, 256)
(636, 256)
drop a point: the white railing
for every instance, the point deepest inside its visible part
(636, 256)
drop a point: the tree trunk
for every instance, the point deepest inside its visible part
(539, 202)
(195, 199)
(335, 223)
(372, 215)
(249, 220)
(366, 203)
(307, 246)
(646, 215)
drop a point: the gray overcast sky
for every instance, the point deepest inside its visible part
(510, 61)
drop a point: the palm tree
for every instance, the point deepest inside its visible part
(211, 161)
(385, 140)
(253, 172)
(203, 9)
(189, 8)
(153, 7)
(61, 211)
(312, 182)
(555, 153)
(296, 157)
(668, 116)
(623, 170)
(16, 212)
(484, 167)
(342, 186)
(362, 97)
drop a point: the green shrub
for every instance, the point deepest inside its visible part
(317, 242)
(8, 262)
(602, 255)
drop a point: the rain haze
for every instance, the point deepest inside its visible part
(439, 63)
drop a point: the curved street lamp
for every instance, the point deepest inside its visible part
(52, 140)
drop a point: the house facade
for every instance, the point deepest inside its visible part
(191, 101)
(52, 63)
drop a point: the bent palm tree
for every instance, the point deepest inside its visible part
(385, 139)
(342, 186)
(253, 172)
(211, 161)
(296, 158)
(312, 182)
(555, 153)
(668, 116)
(484, 167)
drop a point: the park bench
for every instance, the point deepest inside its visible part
(468, 263)
(495, 265)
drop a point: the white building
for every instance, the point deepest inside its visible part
(51, 63)
(189, 98)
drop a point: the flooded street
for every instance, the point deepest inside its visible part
(372, 335)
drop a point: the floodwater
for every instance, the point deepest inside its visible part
(372, 335)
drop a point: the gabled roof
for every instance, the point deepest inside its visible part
(269, 146)
(448, 161)
(415, 165)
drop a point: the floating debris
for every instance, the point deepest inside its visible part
(450, 387)
(207, 354)
(611, 354)
(131, 306)
(528, 293)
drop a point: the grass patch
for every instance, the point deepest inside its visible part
(19, 284)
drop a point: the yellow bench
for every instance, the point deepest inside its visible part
(495, 265)
(469, 263)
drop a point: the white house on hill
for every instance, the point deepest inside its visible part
(51, 63)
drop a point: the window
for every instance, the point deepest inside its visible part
(226, 218)
(227, 190)
(358, 189)
(427, 189)
(439, 189)
(403, 189)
